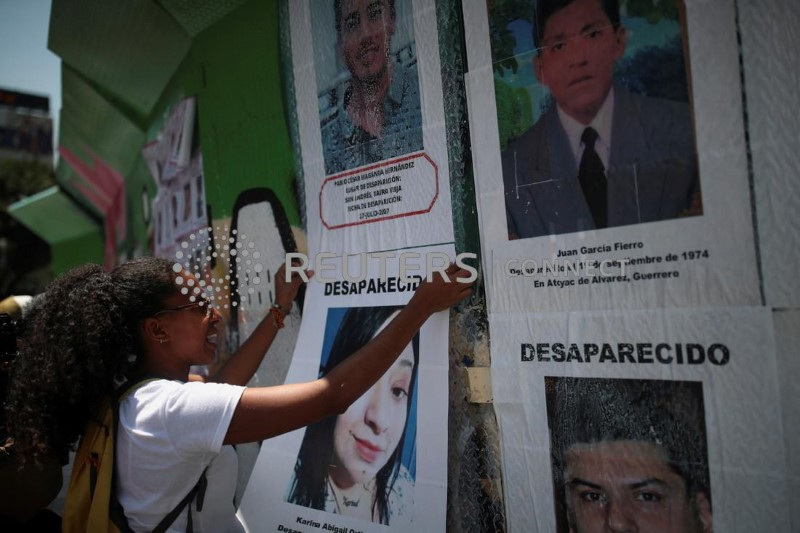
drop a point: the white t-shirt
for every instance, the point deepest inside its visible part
(168, 432)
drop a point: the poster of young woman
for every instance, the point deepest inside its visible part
(610, 161)
(380, 465)
(368, 91)
(655, 420)
(370, 115)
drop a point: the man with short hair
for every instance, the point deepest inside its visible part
(600, 156)
(629, 455)
(379, 115)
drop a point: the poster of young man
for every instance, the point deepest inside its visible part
(628, 453)
(382, 462)
(610, 163)
(371, 123)
(657, 420)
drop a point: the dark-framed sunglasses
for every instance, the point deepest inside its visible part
(202, 304)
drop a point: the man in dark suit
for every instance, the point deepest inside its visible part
(600, 156)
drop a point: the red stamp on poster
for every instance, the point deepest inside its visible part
(400, 187)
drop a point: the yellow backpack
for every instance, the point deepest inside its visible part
(92, 504)
(89, 495)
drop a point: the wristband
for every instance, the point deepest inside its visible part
(277, 315)
(284, 310)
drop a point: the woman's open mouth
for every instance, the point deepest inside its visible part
(212, 339)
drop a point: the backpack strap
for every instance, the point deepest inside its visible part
(198, 490)
(116, 512)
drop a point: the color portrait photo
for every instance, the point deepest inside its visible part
(367, 81)
(594, 114)
(628, 455)
(362, 463)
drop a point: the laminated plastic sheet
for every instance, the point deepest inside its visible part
(655, 251)
(787, 343)
(769, 34)
(336, 315)
(396, 194)
(726, 356)
(379, 216)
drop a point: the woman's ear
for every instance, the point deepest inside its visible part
(152, 331)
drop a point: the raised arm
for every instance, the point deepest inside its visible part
(241, 366)
(265, 412)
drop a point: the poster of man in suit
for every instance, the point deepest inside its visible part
(594, 113)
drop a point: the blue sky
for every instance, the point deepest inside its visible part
(25, 62)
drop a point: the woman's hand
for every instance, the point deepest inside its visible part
(285, 292)
(440, 294)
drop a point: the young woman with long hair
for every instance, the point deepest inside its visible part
(94, 328)
(351, 463)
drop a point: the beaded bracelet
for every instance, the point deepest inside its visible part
(278, 314)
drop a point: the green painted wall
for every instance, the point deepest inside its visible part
(241, 115)
(119, 87)
(87, 248)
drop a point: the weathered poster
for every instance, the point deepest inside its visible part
(660, 420)
(171, 151)
(381, 462)
(371, 122)
(610, 160)
(368, 90)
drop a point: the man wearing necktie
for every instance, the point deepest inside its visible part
(600, 156)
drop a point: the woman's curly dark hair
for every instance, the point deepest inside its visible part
(79, 340)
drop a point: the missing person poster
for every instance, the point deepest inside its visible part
(368, 91)
(371, 124)
(610, 160)
(658, 420)
(382, 462)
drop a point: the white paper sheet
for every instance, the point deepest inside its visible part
(388, 196)
(673, 261)
(733, 360)
(418, 496)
